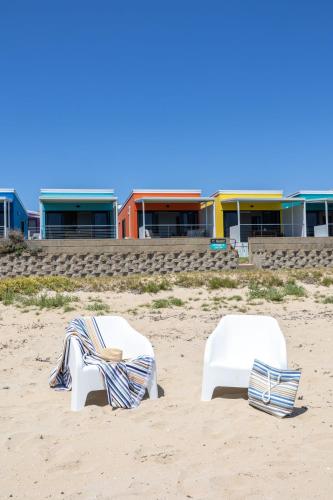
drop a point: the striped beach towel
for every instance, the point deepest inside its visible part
(273, 390)
(125, 381)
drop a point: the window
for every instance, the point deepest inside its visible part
(230, 219)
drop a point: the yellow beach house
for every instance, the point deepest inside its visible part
(241, 214)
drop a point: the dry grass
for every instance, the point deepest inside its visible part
(259, 284)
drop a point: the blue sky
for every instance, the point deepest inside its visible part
(166, 94)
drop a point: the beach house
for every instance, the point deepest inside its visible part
(317, 212)
(167, 213)
(78, 213)
(33, 225)
(13, 215)
(244, 214)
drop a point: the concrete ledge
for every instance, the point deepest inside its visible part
(97, 246)
(308, 243)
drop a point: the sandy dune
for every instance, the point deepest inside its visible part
(176, 447)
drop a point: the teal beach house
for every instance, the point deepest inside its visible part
(78, 213)
(13, 215)
(318, 212)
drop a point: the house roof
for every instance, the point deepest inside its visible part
(297, 193)
(169, 199)
(33, 213)
(159, 191)
(12, 191)
(164, 191)
(248, 191)
(262, 200)
(59, 195)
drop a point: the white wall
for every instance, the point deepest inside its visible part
(235, 233)
(321, 231)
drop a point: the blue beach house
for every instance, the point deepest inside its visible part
(318, 212)
(13, 215)
(78, 213)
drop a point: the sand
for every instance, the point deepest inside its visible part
(177, 446)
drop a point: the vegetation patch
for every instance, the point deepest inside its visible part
(291, 288)
(98, 306)
(327, 281)
(45, 301)
(169, 302)
(225, 282)
(237, 298)
(275, 293)
(271, 294)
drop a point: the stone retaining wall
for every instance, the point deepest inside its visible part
(284, 253)
(100, 259)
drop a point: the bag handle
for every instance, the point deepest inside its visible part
(266, 396)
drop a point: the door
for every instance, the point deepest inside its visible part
(102, 227)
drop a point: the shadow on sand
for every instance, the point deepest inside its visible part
(99, 398)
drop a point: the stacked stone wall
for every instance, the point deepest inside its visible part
(291, 253)
(99, 259)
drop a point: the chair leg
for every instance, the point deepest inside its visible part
(207, 393)
(208, 386)
(79, 396)
(152, 385)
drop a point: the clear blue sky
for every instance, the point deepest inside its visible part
(166, 93)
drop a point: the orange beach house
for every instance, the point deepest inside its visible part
(166, 213)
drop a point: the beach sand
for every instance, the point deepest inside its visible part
(177, 446)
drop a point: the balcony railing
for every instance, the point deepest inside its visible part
(58, 232)
(243, 232)
(176, 231)
(2, 231)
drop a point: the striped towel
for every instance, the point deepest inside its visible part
(273, 390)
(125, 381)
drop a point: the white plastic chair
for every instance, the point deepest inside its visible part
(232, 347)
(118, 333)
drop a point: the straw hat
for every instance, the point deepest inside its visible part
(111, 354)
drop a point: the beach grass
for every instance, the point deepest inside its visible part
(272, 286)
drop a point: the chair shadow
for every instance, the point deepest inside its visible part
(160, 393)
(99, 398)
(298, 411)
(230, 393)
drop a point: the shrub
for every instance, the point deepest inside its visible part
(271, 294)
(15, 243)
(327, 281)
(154, 287)
(328, 300)
(217, 282)
(163, 303)
(191, 280)
(291, 288)
(98, 306)
(49, 302)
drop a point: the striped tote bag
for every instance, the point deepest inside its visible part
(273, 390)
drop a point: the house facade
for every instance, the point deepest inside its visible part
(33, 225)
(13, 215)
(78, 213)
(161, 213)
(247, 213)
(317, 213)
